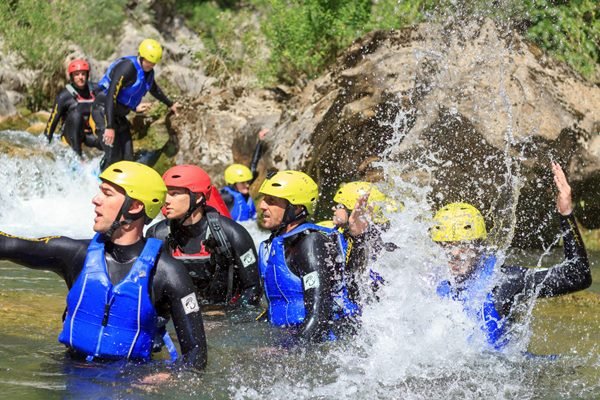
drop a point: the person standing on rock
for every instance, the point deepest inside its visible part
(238, 178)
(489, 292)
(122, 88)
(72, 107)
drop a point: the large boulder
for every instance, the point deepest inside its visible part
(471, 111)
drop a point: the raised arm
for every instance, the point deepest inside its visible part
(59, 254)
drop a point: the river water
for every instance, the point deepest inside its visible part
(411, 345)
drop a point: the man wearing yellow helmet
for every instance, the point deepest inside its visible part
(490, 294)
(238, 178)
(300, 264)
(124, 84)
(118, 282)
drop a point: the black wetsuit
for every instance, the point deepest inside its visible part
(74, 116)
(306, 252)
(66, 257)
(108, 113)
(227, 197)
(195, 246)
(572, 275)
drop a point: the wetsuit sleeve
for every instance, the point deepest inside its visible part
(159, 95)
(176, 292)
(246, 261)
(313, 260)
(227, 198)
(58, 254)
(160, 230)
(573, 274)
(122, 75)
(59, 110)
(256, 158)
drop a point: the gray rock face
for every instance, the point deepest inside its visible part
(475, 113)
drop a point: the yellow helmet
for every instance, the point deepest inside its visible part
(349, 193)
(151, 50)
(236, 173)
(458, 222)
(139, 182)
(294, 186)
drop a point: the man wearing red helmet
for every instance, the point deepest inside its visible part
(72, 107)
(218, 252)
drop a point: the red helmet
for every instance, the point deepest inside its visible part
(78, 65)
(191, 177)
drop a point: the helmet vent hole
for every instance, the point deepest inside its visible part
(118, 171)
(155, 201)
(176, 176)
(468, 227)
(276, 184)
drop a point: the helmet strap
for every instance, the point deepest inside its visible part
(194, 205)
(289, 217)
(123, 212)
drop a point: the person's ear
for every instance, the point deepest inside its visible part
(136, 207)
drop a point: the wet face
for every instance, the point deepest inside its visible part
(177, 202)
(107, 204)
(462, 258)
(243, 187)
(340, 215)
(147, 66)
(79, 79)
(273, 210)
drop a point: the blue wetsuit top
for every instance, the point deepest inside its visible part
(130, 96)
(242, 209)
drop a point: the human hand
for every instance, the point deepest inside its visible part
(564, 200)
(263, 132)
(143, 107)
(358, 222)
(109, 137)
(174, 107)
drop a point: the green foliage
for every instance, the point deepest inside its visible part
(231, 36)
(306, 36)
(570, 30)
(41, 32)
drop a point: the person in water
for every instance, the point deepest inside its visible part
(490, 293)
(72, 108)
(118, 282)
(238, 178)
(219, 253)
(358, 216)
(121, 90)
(301, 264)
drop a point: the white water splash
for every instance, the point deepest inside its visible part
(47, 191)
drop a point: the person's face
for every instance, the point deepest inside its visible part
(107, 204)
(177, 202)
(462, 258)
(243, 187)
(79, 78)
(273, 210)
(340, 215)
(147, 66)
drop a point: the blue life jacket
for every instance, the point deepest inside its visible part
(112, 322)
(130, 96)
(284, 290)
(478, 302)
(243, 209)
